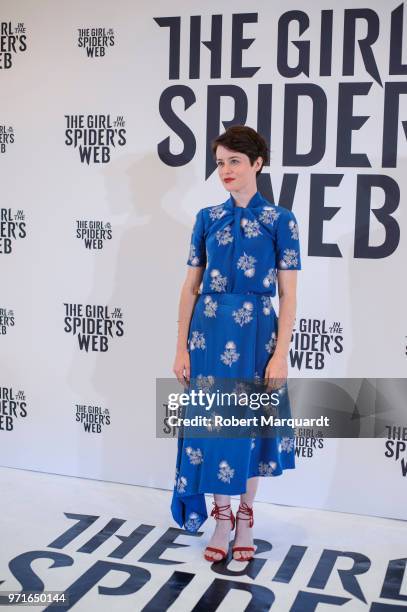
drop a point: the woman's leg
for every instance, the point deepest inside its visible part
(244, 536)
(221, 535)
(251, 491)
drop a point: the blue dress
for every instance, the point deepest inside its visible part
(233, 333)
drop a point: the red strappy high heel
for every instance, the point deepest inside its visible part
(218, 512)
(248, 516)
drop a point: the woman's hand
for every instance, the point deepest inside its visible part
(181, 367)
(276, 372)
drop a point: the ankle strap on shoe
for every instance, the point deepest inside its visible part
(247, 511)
(219, 512)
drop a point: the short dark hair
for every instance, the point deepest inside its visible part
(245, 140)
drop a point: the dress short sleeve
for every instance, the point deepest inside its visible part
(197, 249)
(287, 242)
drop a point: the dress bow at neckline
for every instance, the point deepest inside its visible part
(255, 201)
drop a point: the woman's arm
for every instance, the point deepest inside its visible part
(188, 298)
(277, 367)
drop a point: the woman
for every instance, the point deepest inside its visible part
(239, 251)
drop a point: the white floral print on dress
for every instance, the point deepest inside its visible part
(217, 212)
(182, 484)
(267, 469)
(224, 235)
(268, 215)
(267, 304)
(205, 383)
(244, 314)
(246, 263)
(210, 307)
(225, 473)
(193, 259)
(197, 341)
(193, 522)
(241, 388)
(251, 229)
(194, 455)
(294, 229)
(218, 282)
(271, 278)
(229, 356)
(257, 379)
(290, 258)
(272, 343)
(286, 444)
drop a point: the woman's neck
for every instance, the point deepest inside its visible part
(243, 197)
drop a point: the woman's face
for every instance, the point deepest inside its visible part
(235, 170)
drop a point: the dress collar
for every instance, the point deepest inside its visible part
(256, 200)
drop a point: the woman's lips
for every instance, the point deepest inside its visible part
(228, 180)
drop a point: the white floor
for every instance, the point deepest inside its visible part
(37, 509)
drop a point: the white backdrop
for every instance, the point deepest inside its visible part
(150, 205)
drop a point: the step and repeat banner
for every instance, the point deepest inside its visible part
(106, 120)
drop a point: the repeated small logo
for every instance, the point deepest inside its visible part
(93, 325)
(7, 320)
(312, 340)
(396, 446)
(92, 418)
(12, 41)
(93, 233)
(307, 442)
(12, 228)
(94, 136)
(6, 137)
(13, 406)
(95, 41)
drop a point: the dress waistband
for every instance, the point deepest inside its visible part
(232, 298)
